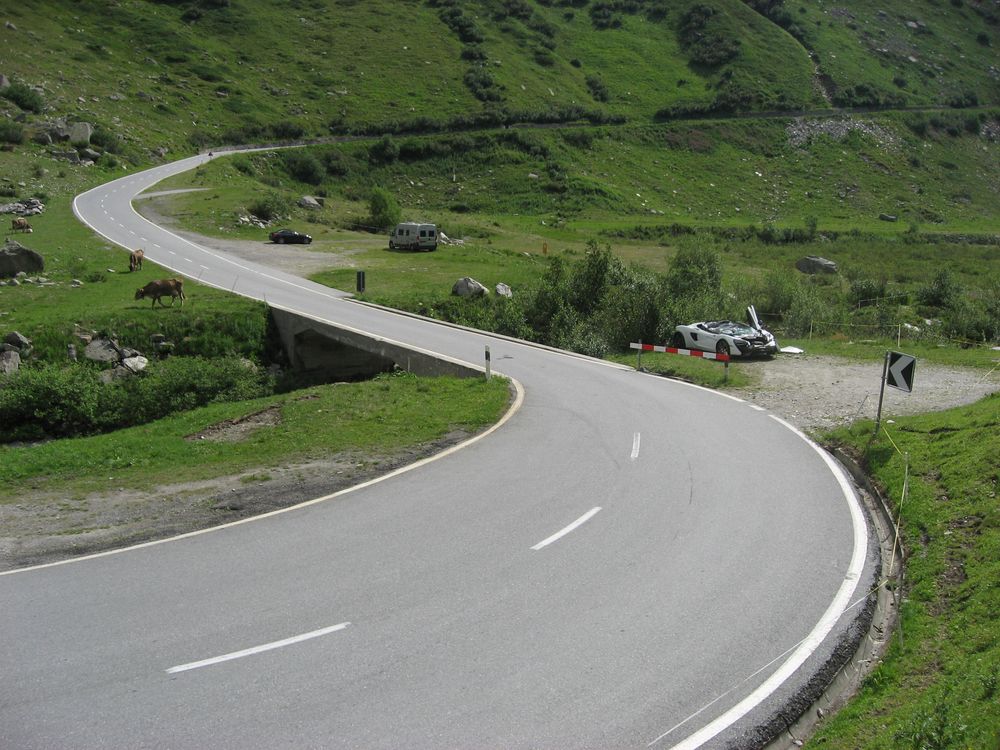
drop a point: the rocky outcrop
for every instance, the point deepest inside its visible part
(15, 258)
(813, 264)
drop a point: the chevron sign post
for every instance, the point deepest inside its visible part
(897, 372)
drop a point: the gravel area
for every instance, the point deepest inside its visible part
(818, 393)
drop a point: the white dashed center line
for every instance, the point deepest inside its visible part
(257, 649)
(563, 532)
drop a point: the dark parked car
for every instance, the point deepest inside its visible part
(289, 236)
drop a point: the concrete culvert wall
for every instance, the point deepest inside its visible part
(315, 346)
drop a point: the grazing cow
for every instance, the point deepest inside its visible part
(20, 224)
(172, 288)
(135, 260)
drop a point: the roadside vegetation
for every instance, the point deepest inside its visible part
(380, 418)
(939, 684)
(601, 159)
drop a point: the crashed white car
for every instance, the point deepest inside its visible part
(727, 337)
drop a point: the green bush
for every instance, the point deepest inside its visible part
(55, 401)
(24, 97)
(693, 272)
(304, 167)
(269, 207)
(383, 209)
(942, 291)
(11, 132)
(866, 292)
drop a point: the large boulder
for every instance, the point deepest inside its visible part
(311, 202)
(9, 362)
(15, 258)
(80, 132)
(103, 350)
(813, 264)
(468, 287)
(17, 340)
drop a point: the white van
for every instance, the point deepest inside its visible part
(413, 236)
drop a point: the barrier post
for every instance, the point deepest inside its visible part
(881, 394)
(638, 357)
(725, 375)
(488, 363)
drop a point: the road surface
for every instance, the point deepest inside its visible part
(626, 562)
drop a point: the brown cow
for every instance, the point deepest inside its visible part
(135, 260)
(172, 288)
(20, 224)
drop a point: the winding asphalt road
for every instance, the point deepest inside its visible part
(625, 562)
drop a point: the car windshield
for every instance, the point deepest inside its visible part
(731, 328)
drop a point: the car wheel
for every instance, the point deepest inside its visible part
(309, 241)
(279, 241)
(677, 341)
(722, 348)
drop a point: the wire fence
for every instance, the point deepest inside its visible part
(889, 330)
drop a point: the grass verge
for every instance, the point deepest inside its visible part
(389, 414)
(937, 687)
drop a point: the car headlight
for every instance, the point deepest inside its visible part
(743, 346)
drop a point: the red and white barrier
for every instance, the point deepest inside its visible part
(672, 350)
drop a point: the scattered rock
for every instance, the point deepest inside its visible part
(468, 287)
(10, 362)
(16, 259)
(887, 217)
(17, 340)
(103, 350)
(80, 133)
(504, 291)
(813, 264)
(26, 207)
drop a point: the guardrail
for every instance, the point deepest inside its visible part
(724, 358)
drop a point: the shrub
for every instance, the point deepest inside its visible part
(269, 207)
(383, 208)
(866, 292)
(55, 401)
(24, 97)
(385, 151)
(11, 132)
(597, 88)
(694, 271)
(304, 167)
(285, 130)
(942, 291)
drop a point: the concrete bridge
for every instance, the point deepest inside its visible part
(316, 346)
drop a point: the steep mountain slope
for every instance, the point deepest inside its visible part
(181, 74)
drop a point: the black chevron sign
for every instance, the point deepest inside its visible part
(900, 371)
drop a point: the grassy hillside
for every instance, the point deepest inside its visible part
(175, 75)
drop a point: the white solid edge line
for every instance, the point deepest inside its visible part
(563, 532)
(514, 408)
(811, 642)
(256, 649)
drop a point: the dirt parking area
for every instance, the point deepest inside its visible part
(813, 392)
(818, 393)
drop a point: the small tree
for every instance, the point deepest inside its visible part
(383, 208)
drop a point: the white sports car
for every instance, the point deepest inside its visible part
(727, 337)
